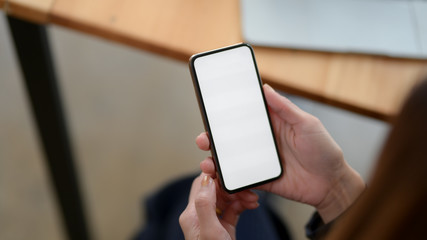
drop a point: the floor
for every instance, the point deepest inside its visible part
(133, 118)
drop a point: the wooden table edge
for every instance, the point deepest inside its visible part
(176, 54)
(330, 101)
(22, 11)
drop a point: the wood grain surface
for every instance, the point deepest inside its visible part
(175, 28)
(371, 85)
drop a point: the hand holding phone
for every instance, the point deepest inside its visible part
(233, 107)
(315, 166)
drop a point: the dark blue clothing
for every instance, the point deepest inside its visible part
(165, 206)
(316, 228)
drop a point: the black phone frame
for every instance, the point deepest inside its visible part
(206, 121)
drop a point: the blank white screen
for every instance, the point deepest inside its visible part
(237, 117)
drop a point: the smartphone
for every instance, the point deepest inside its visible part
(234, 111)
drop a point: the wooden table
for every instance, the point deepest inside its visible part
(370, 85)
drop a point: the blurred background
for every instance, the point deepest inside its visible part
(133, 118)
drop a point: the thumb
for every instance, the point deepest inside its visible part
(205, 203)
(282, 106)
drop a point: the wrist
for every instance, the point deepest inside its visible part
(343, 193)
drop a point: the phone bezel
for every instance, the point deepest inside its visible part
(206, 121)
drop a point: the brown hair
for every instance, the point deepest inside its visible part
(395, 204)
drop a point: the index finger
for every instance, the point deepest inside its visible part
(284, 108)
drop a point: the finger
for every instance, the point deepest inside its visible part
(194, 189)
(248, 199)
(250, 205)
(189, 215)
(247, 196)
(202, 141)
(232, 212)
(205, 203)
(284, 108)
(208, 167)
(223, 198)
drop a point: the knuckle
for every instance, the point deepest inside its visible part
(202, 201)
(184, 218)
(181, 219)
(315, 120)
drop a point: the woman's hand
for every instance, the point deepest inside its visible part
(315, 171)
(212, 213)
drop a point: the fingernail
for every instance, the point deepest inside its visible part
(206, 180)
(269, 87)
